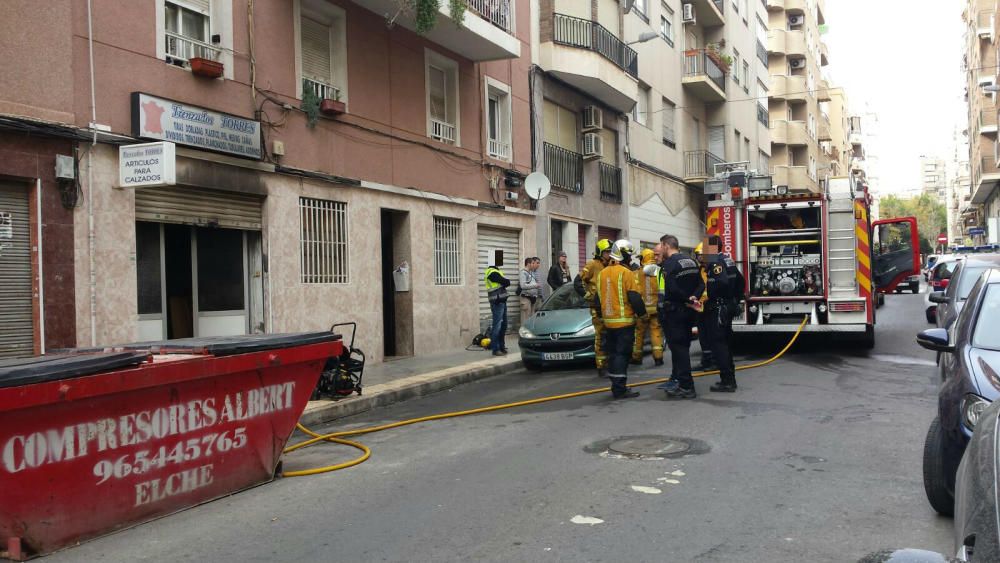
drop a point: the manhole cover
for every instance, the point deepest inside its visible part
(648, 446)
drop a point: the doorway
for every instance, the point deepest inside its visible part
(397, 300)
(557, 241)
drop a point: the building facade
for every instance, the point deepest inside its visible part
(933, 177)
(980, 61)
(304, 194)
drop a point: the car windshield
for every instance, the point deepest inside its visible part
(987, 334)
(565, 297)
(969, 278)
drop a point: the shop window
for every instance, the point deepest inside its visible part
(447, 251)
(324, 237)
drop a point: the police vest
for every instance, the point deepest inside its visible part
(494, 290)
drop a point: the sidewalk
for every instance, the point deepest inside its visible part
(405, 378)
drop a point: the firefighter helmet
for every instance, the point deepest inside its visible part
(648, 256)
(699, 249)
(622, 251)
(602, 245)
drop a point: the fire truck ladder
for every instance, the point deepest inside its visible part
(842, 249)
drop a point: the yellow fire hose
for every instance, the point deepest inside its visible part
(338, 437)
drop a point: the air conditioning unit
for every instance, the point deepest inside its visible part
(687, 13)
(593, 118)
(796, 20)
(797, 63)
(593, 146)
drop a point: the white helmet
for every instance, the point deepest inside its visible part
(622, 251)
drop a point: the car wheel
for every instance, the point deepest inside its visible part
(532, 366)
(930, 316)
(868, 340)
(915, 289)
(942, 500)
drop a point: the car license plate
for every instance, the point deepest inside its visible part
(558, 356)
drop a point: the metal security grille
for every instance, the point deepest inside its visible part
(16, 328)
(447, 251)
(508, 242)
(324, 237)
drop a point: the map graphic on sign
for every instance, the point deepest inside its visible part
(154, 113)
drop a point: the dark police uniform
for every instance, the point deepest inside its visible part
(725, 287)
(681, 281)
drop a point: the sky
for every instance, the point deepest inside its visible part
(900, 60)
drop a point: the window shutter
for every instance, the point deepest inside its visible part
(437, 90)
(200, 6)
(316, 51)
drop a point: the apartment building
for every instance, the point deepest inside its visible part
(796, 55)
(680, 129)
(933, 177)
(980, 61)
(331, 165)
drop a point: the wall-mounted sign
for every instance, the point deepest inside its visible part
(148, 164)
(167, 120)
(977, 231)
(6, 225)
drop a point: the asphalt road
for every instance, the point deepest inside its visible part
(816, 458)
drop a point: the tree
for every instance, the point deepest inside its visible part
(931, 215)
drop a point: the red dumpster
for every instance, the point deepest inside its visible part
(94, 442)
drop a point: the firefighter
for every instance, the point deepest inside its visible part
(619, 302)
(681, 288)
(707, 357)
(586, 285)
(496, 292)
(650, 296)
(724, 286)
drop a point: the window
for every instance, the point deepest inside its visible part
(442, 98)
(323, 238)
(498, 120)
(640, 8)
(640, 112)
(746, 150)
(668, 124)
(811, 84)
(187, 31)
(447, 251)
(736, 66)
(560, 126)
(812, 168)
(667, 24)
(744, 10)
(746, 76)
(736, 145)
(764, 163)
(322, 47)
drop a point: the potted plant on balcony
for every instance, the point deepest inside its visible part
(332, 107)
(712, 51)
(206, 67)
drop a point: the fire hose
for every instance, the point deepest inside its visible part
(339, 437)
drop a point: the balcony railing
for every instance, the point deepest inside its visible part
(443, 131)
(498, 149)
(181, 49)
(496, 12)
(700, 164)
(988, 165)
(564, 168)
(988, 120)
(698, 63)
(585, 34)
(762, 53)
(611, 182)
(322, 90)
(762, 115)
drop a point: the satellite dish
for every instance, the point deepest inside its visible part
(627, 6)
(537, 185)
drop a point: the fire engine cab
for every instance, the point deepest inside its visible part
(809, 255)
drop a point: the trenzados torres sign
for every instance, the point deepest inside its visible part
(191, 434)
(167, 120)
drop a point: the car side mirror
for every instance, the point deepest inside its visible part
(937, 297)
(935, 339)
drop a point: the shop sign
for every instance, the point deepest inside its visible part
(193, 126)
(148, 164)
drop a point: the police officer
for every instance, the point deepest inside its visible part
(496, 291)
(586, 285)
(682, 288)
(619, 303)
(725, 286)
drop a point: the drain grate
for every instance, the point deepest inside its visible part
(648, 446)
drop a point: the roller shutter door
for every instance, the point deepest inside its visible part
(16, 322)
(490, 238)
(191, 206)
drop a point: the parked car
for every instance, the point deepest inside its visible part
(950, 301)
(977, 514)
(940, 276)
(912, 283)
(969, 367)
(560, 332)
(931, 261)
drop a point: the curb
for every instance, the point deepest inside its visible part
(383, 394)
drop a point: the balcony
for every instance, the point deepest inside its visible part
(699, 166)
(988, 122)
(791, 133)
(180, 49)
(710, 13)
(611, 183)
(486, 32)
(857, 164)
(442, 131)
(985, 24)
(795, 177)
(824, 54)
(587, 56)
(985, 178)
(789, 88)
(322, 90)
(498, 149)
(823, 91)
(703, 77)
(564, 168)
(823, 133)
(761, 53)
(785, 42)
(762, 115)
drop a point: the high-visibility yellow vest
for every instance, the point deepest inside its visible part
(494, 290)
(613, 284)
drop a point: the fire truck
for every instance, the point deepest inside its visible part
(817, 256)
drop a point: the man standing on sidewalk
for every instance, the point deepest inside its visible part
(529, 289)
(496, 292)
(586, 285)
(618, 302)
(650, 295)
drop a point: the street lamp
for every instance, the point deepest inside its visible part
(645, 36)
